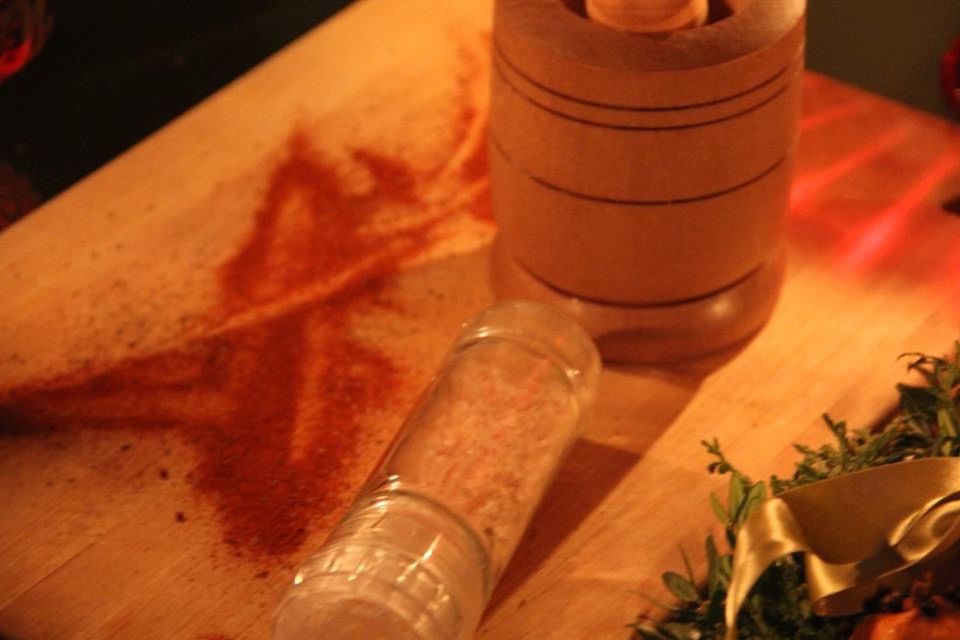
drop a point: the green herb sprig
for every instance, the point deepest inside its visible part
(926, 424)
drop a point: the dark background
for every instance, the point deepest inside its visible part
(890, 47)
(113, 71)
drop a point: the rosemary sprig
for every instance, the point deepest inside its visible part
(927, 424)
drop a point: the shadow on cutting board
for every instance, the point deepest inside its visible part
(589, 473)
(634, 409)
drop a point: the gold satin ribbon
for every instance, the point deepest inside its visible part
(858, 531)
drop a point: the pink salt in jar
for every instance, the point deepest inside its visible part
(420, 551)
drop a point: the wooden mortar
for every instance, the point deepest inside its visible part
(644, 173)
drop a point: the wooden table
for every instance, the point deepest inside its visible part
(205, 345)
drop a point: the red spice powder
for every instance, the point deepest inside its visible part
(239, 397)
(310, 227)
(476, 171)
(472, 125)
(236, 397)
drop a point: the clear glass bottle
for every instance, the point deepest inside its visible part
(419, 552)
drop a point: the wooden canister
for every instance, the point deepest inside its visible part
(643, 169)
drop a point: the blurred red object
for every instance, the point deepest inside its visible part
(24, 26)
(17, 195)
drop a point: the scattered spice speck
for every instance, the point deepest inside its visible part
(235, 395)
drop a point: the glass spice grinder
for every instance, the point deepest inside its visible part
(422, 547)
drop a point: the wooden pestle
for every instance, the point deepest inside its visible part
(648, 16)
(641, 180)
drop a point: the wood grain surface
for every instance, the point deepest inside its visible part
(206, 345)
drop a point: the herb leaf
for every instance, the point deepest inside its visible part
(926, 424)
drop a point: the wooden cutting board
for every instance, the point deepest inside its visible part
(206, 345)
